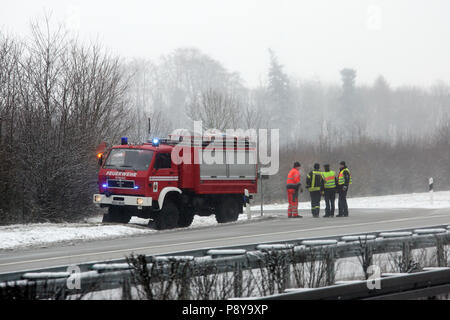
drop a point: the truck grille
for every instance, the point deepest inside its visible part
(121, 184)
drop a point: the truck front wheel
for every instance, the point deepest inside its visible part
(116, 215)
(227, 210)
(167, 217)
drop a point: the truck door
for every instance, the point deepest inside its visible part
(164, 174)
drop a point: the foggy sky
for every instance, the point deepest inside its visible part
(405, 40)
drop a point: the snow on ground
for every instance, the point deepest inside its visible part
(198, 221)
(43, 234)
(441, 199)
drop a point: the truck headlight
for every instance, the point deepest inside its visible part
(97, 198)
(140, 201)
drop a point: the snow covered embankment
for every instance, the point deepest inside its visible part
(441, 199)
(43, 234)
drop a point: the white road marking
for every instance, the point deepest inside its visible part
(224, 239)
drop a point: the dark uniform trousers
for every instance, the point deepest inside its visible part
(342, 203)
(330, 196)
(315, 202)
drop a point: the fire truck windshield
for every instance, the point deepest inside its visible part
(133, 159)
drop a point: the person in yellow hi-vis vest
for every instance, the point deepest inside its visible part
(329, 188)
(344, 181)
(314, 184)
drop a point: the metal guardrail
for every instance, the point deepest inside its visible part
(103, 275)
(400, 287)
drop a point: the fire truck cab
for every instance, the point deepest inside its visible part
(150, 181)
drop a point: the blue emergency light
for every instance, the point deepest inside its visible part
(124, 140)
(155, 142)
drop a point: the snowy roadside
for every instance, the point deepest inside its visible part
(46, 234)
(43, 234)
(441, 200)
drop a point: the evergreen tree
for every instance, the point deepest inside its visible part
(348, 77)
(348, 102)
(280, 96)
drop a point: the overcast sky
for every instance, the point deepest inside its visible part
(408, 41)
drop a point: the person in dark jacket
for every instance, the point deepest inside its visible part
(344, 181)
(314, 184)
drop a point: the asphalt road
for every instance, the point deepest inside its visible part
(276, 227)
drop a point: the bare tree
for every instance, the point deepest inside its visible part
(67, 99)
(10, 50)
(217, 110)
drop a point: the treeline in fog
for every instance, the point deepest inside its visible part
(60, 97)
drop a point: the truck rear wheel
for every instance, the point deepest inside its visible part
(167, 217)
(186, 217)
(227, 210)
(116, 215)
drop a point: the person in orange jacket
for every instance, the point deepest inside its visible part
(293, 186)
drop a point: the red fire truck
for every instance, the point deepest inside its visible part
(145, 180)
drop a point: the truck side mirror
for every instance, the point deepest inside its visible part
(100, 159)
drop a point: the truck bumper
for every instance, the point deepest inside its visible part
(119, 200)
